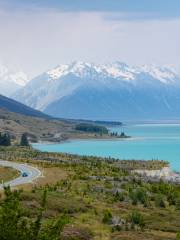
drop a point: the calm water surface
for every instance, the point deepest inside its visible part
(148, 142)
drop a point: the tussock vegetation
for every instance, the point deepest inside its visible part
(101, 198)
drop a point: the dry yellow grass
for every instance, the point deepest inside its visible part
(7, 174)
(50, 176)
(143, 235)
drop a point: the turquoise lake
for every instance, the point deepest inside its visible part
(149, 141)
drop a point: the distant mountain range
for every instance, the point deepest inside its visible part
(11, 81)
(105, 92)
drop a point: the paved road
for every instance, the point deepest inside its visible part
(32, 172)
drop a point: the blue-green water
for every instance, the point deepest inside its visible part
(148, 142)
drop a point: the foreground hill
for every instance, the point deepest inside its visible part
(47, 129)
(17, 107)
(112, 91)
(89, 198)
(37, 128)
(17, 118)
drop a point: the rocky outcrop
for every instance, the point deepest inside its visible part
(166, 174)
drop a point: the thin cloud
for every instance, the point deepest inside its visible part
(139, 8)
(44, 38)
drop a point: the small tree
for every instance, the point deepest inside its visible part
(5, 139)
(24, 140)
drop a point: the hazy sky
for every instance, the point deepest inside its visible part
(39, 35)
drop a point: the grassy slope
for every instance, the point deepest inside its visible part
(73, 191)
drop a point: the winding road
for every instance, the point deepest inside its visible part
(32, 173)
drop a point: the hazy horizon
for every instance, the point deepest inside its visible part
(36, 37)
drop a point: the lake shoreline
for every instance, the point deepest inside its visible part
(86, 139)
(165, 174)
(146, 143)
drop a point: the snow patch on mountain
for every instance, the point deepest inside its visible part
(58, 71)
(11, 81)
(112, 88)
(163, 74)
(117, 70)
(120, 71)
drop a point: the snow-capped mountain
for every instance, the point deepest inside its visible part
(105, 91)
(11, 81)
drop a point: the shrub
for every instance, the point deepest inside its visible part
(137, 219)
(178, 236)
(15, 223)
(178, 203)
(107, 217)
(120, 196)
(139, 195)
(159, 201)
(134, 198)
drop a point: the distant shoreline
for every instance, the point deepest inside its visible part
(162, 122)
(87, 139)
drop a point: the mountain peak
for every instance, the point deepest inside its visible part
(58, 71)
(117, 70)
(104, 91)
(164, 74)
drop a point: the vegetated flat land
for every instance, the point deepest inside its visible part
(7, 174)
(101, 196)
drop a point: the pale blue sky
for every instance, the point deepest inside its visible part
(37, 35)
(161, 8)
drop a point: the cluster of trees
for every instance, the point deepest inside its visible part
(121, 135)
(85, 127)
(161, 195)
(134, 220)
(5, 140)
(17, 224)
